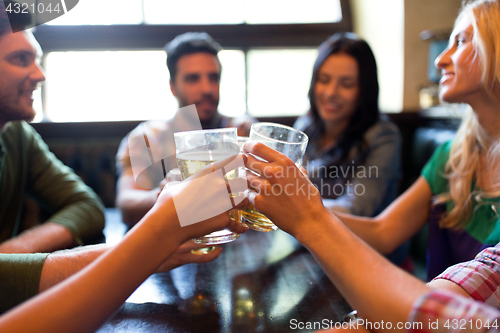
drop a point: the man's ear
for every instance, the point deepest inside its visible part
(172, 88)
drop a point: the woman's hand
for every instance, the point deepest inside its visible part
(200, 204)
(284, 193)
(183, 256)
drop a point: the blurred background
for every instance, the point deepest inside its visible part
(106, 71)
(104, 58)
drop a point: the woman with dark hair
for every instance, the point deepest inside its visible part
(353, 156)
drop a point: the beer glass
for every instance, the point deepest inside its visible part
(241, 141)
(236, 213)
(286, 140)
(196, 149)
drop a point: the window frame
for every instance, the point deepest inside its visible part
(231, 36)
(240, 36)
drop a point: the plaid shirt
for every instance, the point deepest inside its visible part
(480, 277)
(438, 311)
(445, 312)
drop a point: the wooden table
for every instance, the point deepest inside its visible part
(262, 282)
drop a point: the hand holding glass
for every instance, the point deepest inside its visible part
(286, 140)
(195, 150)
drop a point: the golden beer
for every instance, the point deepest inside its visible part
(286, 140)
(256, 220)
(191, 162)
(196, 150)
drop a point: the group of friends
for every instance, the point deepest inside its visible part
(348, 232)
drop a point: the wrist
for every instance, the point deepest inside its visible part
(162, 222)
(313, 227)
(164, 218)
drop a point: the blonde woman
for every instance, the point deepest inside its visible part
(458, 190)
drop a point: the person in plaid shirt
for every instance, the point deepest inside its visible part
(480, 279)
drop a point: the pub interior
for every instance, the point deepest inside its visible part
(263, 281)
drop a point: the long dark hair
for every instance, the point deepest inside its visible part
(367, 112)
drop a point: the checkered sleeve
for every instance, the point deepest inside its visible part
(480, 277)
(439, 311)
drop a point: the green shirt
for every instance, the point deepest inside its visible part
(19, 277)
(28, 168)
(484, 223)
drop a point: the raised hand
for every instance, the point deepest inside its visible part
(283, 192)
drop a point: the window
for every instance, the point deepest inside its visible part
(126, 85)
(109, 64)
(292, 11)
(107, 86)
(195, 12)
(278, 81)
(102, 12)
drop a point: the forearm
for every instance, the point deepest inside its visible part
(373, 286)
(47, 237)
(369, 229)
(397, 223)
(370, 283)
(60, 265)
(365, 196)
(108, 277)
(333, 207)
(447, 285)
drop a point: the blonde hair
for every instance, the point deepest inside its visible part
(472, 140)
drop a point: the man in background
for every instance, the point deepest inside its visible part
(27, 167)
(195, 72)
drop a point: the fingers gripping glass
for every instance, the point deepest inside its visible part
(195, 150)
(286, 140)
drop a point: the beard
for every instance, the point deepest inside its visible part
(12, 110)
(205, 115)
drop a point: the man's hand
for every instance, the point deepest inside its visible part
(134, 202)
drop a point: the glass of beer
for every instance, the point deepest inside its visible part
(195, 150)
(286, 140)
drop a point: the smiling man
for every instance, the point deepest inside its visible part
(27, 167)
(195, 72)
